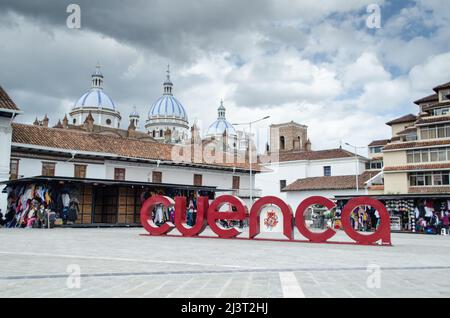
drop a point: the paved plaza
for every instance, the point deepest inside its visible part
(118, 262)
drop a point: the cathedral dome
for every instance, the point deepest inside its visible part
(97, 103)
(96, 97)
(168, 106)
(221, 125)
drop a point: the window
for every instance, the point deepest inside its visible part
(428, 155)
(161, 134)
(14, 169)
(198, 179)
(282, 143)
(119, 174)
(80, 171)
(425, 133)
(74, 121)
(282, 184)
(441, 132)
(445, 95)
(154, 133)
(376, 149)
(428, 179)
(433, 132)
(441, 111)
(411, 137)
(156, 177)
(48, 169)
(236, 182)
(376, 165)
(108, 121)
(327, 171)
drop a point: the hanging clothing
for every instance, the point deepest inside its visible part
(65, 200)
(159, 215)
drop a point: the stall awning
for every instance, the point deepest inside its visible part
(105, 182)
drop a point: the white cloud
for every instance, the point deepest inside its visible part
(366, 69)
(434, 71)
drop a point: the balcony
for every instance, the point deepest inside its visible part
(245, 193)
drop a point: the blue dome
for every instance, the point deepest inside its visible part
(168, 106)
(95, 97)
(220, 126)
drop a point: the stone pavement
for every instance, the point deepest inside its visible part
(121, 263)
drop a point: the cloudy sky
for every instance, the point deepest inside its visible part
(314, 62)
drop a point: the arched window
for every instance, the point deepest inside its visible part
(282, 143)
(161, 134)
(154, 133)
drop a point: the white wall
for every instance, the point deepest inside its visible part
(5, 156)
(295, 198)
(291, 171)
(136, 172)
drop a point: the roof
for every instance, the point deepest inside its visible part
(436, 105)
(46, 179)
(407, 131)
(433, 120)
(377, 143)
(68, 139)
(416, 144)
(315, 155)
(432, 166)
(330, 183)
(443, 86)
(404, 119)
(431, 98)
(6, 102)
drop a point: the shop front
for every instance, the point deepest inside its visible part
(411, 213)
(48, 201)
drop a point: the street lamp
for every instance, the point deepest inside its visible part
(357, 164)
(250, 151)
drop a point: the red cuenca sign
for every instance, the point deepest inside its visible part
(209, 214)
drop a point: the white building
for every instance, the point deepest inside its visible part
(295, 174)
(106, 169)
(8, 111)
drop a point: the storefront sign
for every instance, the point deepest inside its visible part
(209, 214)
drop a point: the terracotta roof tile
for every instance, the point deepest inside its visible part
(437, 88)
(69, 139)
(436, 105)
(404, 119)
(377, 143)
(417, 144)
(433, 120)
(428, 190)
(330, 183)
(6, 102)
(431, 98)
(432, 166)
(314, 155)
(407, 131)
